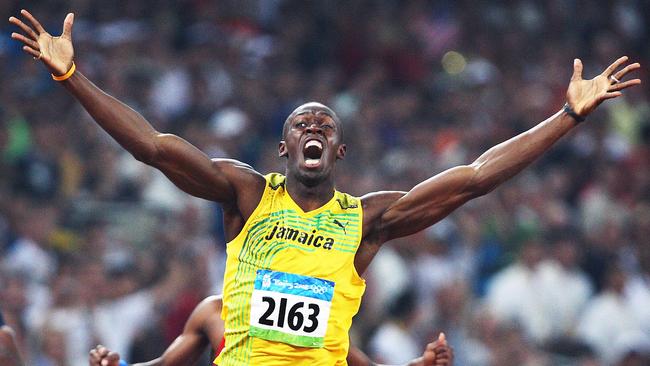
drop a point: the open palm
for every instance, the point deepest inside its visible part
(56, 53)
(585, 95)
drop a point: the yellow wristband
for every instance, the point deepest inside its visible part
(66, 75)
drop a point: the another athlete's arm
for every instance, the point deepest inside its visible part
(185, 165)
(397, 214)
(186, 348)
(437, 353)
(205, 323)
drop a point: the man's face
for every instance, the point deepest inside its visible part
(312, 143)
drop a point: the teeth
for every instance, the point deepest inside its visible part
(314, 143)
(312, 161)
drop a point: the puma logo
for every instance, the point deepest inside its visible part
(337, 222)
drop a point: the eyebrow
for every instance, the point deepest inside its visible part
(315, 113)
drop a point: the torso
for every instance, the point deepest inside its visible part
(285, 259)
(374, 205)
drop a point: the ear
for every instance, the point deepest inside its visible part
(282, 149)
(340, 152)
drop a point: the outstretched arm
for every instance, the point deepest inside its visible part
(185, 165)
(438, 196)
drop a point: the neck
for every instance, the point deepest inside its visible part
(309, 197)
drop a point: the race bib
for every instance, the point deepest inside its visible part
(290, 308)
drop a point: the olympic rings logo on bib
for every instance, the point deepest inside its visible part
(290, 308)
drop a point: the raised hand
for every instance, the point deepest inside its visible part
(56, 53)
(584, 96)
(102, 356)
(438, 353)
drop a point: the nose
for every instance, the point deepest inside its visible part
(314, 128)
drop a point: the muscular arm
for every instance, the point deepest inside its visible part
(185, 165)
(435, 198)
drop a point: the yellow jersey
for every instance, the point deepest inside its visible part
(290, 286)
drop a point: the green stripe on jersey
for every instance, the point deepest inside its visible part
(296, 340)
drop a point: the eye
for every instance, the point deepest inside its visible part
(301, 125)
(327, 127)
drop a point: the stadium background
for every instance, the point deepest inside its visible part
(553, 268)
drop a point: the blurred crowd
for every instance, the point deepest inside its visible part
(552, 268)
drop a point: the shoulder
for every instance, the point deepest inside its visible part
(6, 334)
(236, 169)
(376, 203)
(247, 183)
(210, 306)
(381, 199)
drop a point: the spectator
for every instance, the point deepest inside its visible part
(393, 343)
(608, 313)
(419, 85)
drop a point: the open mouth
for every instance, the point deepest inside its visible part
(313, 151)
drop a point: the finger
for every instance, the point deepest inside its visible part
(442, 355)
(440, 349)
(39, 28)
(442, 361)
(577, 69)
(611, 68)
(32, 51)
(28, 42)
(610, 95)
(25, 28)
(442, 338)
(67, 26)
(101, 350)
(619, 75)
(93, 357)
(624, 85)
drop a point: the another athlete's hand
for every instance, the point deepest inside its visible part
(584, 96)
(102, 356)
(55, 52)
(438, 353)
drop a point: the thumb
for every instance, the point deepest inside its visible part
(577, 70)
(442, 338)
(67, 26)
